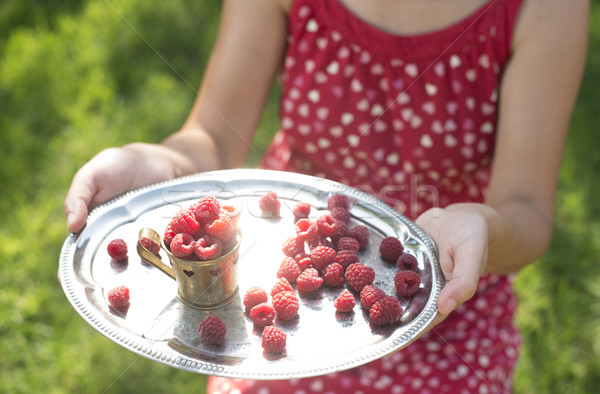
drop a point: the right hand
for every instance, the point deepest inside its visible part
(112, 172)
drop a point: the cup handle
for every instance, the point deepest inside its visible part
(150, 257)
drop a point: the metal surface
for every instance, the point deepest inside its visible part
(159, 326)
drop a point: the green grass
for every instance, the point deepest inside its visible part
(76, 78)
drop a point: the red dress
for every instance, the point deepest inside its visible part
(411, 120)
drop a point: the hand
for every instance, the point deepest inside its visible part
(111, 173)
(461, 233)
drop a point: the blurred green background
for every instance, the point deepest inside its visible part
(80, 75)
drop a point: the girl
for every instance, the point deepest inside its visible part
(455, 112)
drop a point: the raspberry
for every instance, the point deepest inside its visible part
(319, 241)
(233, 212)
(304, 261)
(206, 210)
(269, 204)
(220, 228)
(306, 229)
(333, 275)
(292, 246)
(369, 295)
(229, 245)
(359, 275)
(385, 311)
(168, 235)
(282, 284)
(348, 243)
(341, 229)
(117, 249)
(289, 270)
(309, 281)
(345, 302)
(200, 233)
(118, 296)
(322, 256)
(208, 248)
(262, 314)
(212, 330)
(150, 245)
(328, 226)
(340, 214)
(390, 249)
(182, 245)
(254, 296)
(184, 222)
(361, 234)
(273, 339)
(346, 257)
(286, 305)
(301, 210)
(338, 200)
(407, 283)
(407, 262)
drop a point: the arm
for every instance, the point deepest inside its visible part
(219, 130)
(514, 226)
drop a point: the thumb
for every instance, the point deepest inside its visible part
(77, 201)
(467, 265)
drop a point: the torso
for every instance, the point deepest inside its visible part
(389, 112)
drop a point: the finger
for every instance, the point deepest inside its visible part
(467, 266)
(77, 201)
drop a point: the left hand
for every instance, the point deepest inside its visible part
(462, 236)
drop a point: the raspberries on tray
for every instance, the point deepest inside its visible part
(270, 205)
(282, 284)
(306, 229)
(369, 295)
(286, 305)
(327, 251)
(322, 256)
(345, 302)
(386, 311)
(262, 314)
(338, 201)
(407, 262)
(358, 275)
(361, 234)
(254, 296)
(407, 283)
(212, 330)
(117, 249)
(390, 249)
(273, 339)
(333, 275)
(118, 297)
(346, 257)
(309, 281)
(293, 246)
(289, 269)
(301, 211)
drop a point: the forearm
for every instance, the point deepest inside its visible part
(191, 151)
(521, 233)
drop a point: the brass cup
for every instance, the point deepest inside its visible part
(207, 284)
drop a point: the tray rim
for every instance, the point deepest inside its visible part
(162, 353)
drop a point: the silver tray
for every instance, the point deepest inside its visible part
(160, 327)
